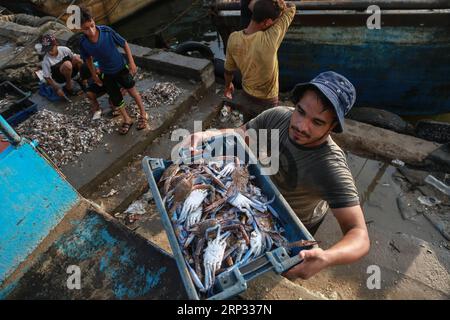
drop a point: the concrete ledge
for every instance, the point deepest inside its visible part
(140, 54)
(361, 138)
(131, 182)
(90, 172)
(181, 66)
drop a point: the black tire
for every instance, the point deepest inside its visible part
(74, 42)
(381, 118)
(193, 46)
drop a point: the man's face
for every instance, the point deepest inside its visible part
(310, 123)
(54, 51)
(89, 28)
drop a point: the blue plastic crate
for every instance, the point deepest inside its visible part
(20, 109)
(233, 283)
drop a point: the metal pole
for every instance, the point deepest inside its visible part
(9, 132)
(352, 5)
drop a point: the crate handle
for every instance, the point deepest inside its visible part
(281, 261)
(231, 283)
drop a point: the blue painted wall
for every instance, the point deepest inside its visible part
(33, 200)
(403, 70)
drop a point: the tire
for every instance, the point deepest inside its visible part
(74, 42)
(219, 69)
(193, 46)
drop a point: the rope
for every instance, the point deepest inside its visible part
(178, 17)
(5, 65)
(182, 14)
(107, 13)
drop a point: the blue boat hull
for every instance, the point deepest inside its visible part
(56, 245)
(397, 69)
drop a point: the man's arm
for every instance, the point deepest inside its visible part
(229, 67)
(353, 246)
(278, 30)
(229, 86)
(121, 42)
(90, 64)
(261, 121)
(55, 87)
(132, 65)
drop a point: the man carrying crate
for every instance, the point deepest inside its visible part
(313, 173)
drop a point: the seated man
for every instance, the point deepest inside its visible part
(313, 174)
(59, 65)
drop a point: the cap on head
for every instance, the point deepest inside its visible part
(339, 90)
(47, 42)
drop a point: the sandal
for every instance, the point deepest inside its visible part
(125, 128)
(71, 93)
(82, 85)
(142, 123)
(115, 113)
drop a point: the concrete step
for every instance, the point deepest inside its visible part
(102, 163)
(367, 140)
(130, 182)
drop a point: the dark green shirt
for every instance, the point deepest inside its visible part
(312, 180)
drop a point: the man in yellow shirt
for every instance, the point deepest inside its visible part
(253, 51)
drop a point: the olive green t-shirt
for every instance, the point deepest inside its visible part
(312, 180)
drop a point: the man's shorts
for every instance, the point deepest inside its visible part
(56, 73)
(96, 89)
(113, 83)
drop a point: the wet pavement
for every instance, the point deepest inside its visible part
(413, 256)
